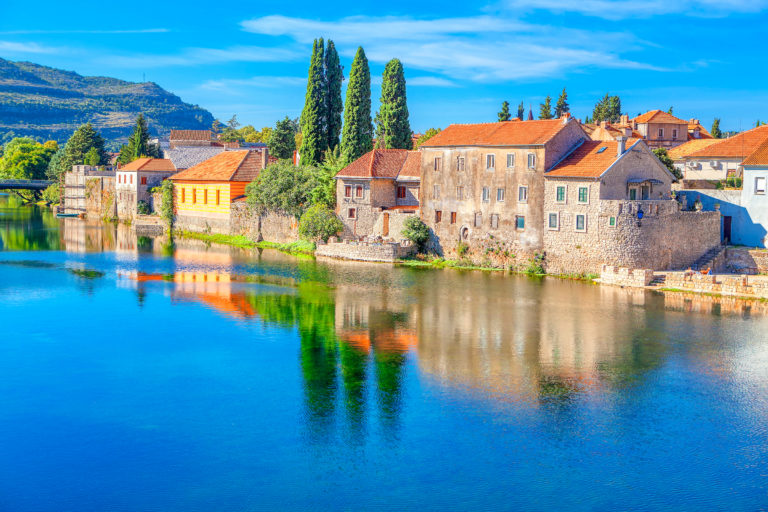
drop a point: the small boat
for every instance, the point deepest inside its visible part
(67, 215)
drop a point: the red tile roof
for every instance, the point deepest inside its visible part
(759, 156)
(693, 125)
(659, 116)
(381, 163)
(149, 164)
(227, 166)
(689, 147)
(205, 135)
(411, 167)
(738, 146)
(590, 160)
(505, 133)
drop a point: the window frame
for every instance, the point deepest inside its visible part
(459, 192)
(576, 223)
(510, 156)
(518, 219)
(453, 217)
(660, 133)
(437, 164)
(565, 194)
(520, 190)
(359, 192)
(478, 220)
(352, 213)
(438, 216)
(611, 221)
(490, 162)
(183, 195)
(402, 191)
(760, 191)
(218, 197)
(674, 133)
(578, 194)
(460, 163)
(501, 194)
(347, 190)
(436, 191)
(143, 180)
(531, 158)
(486, 197)
(557, 221)
(494, 221)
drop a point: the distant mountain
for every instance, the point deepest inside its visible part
(49, 104)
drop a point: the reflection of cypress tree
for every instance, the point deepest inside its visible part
(318, 366)
(353, 370)
(390, 367)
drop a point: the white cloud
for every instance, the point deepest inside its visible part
(14, 47)
(197, 56)
(237, 86)
(623, 9)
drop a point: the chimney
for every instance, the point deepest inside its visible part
(264, 158)
(621, 142)
(565, 117)
(627, 131)
(603, 124)
(624, 119)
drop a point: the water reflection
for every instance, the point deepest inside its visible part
(27, 229)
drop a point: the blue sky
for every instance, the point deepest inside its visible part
(706, 58)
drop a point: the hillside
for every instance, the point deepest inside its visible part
(49, 103)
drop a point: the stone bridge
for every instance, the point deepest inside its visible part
(24, 184)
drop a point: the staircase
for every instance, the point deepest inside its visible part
(708, 260)
(658, 280)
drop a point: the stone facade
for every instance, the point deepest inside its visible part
(622, 276)
(270, 226)
(135, 186)
(89, 191)
(740, 285)
(364, 251)
(746, 261)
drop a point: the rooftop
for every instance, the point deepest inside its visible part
(590, 160)
(504, 133)
(149, 164)
(383, 163)
(759, 156)
(186, 157)
(659, 116)
(693, 145)
(205, 135)
(738, 146)
(226, 166)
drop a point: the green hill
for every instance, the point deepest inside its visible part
(49, 104)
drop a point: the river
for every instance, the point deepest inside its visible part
(141, 374)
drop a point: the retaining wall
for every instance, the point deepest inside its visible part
(364, 251)
(746, 261)
(741, 285)
(623, 276)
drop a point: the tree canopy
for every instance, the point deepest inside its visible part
(545, 109)
(393, 128)
(138, 144)
(663, 156)
(504, 114)
(74, 151)
(357, 133)
(282, 140)
(715, 132)
(607, 109)
(26, 159)
(313, 118)
(431, 132)
(562, 107)
(334, 76)
(521, 111)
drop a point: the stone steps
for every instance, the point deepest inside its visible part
(708, 259)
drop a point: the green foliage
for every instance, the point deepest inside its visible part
(26, 159)
(281, 141)
(416, 231)
(521, 111)
(142, 207)
(535, 265)
(504, 114)
(733, 182)
(607, 109)
(282, 187)
(393, 129)
(715, 132)
(78, 145)
(357, 132)
(663, 156)
(462, 249)
(314, 137)
(334, 75)
(545, 109)
(52, 194)
(138, 144)
(431, 132)
(671, 111)
(562, 107)
(319, 223)
(166, 204)
(92, 157)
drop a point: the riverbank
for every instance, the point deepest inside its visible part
(299, 247)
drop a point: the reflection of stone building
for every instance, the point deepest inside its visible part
(81, 236)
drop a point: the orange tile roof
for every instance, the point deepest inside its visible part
(738, 146)
(759, 156)
(505, 133)
(689, 147)
(694, 124)
(149, 164)
(659, 116)
(380, 163)
(589, 160)
(227, 166)
(411, 167)
(205, 135)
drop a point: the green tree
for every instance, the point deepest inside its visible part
(52, 194)
(26, 159)
(607, 109)
(166, 203)
(313, 117)
(92, 157)
(393, 129)
(416, 231)
(521, 111)
(663, 156)
(319, 223)
(504, 114)
(78, 145)
(545, 109)
(716, 133)
(671, 111)
(357, 133)
(282, 187)
(431, 132)
(138, 144)
(281, 141)
(334, 76)
(562, 107)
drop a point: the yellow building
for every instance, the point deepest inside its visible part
(204, 193)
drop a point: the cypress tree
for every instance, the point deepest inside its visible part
(521, 111)
(393, 130)
(138, 144)
(314, 140)
(716, 133)
(334, 75)
(357, 135)
(504, 114)
(562, 106)
(545, 110)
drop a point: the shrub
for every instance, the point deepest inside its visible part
(416, 231)
(462, 249)
(319, 223)
(142, 208)
(535, 265)
(52, 194)
(166, 207)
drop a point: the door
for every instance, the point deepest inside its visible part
(727, 228)
(385, 228)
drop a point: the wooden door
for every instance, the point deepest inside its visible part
(385, 228)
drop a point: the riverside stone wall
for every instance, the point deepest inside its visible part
(100, 197)
(746, 261)
(273, 227)
(622, 276)
(741, 285)
(364, 251)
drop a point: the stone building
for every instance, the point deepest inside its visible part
(186, 138)
(134, 180)
(661, 129)
(723, 159)
(678, 153)
(377, 192)
(89, 190)
(189, 156)
(483, 184)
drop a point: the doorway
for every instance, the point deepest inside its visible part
(385, 228)
(727, 219)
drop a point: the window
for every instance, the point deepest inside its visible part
(143, 180)
(459, 193)
(760, 185)
(500, 194)
(522, 194)
(510, 160)
(218, 197)
(453, 217)
(194, 195)
(612, 222)
(661, 133)
(478, 219)
(436, 192)
(494, 221)
(347, 190)
(632, 194)
(183, 196)
(359, 191)
(205, 196)
(438, 216)
(519, 222)
(401, 192)
(531, 161)
(674, 133)
(486, 194)
(560, 195)
(437, 163)
(581, 222)
(583, 194)
(131, 178)
(553, 221)
(351, 213)
(460, 163)
(490, 162)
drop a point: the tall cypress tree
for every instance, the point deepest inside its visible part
(545, 110)
(562, 106)
(521, 111)
(334, 75)
(393, 130)
(138, 144)
(504, 113)
(716, 133)
(314, 139)
(357, 135)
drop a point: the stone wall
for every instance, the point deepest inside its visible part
(623, 276)
(741, 285)
(273, 227)
(746, 261)
(202, 224)
(363, 251)
(100, 197)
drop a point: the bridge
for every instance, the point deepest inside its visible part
(25, 184)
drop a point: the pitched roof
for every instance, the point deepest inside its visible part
(738, 146)
(411, 167)
(693, 125)
(186, 157)
(590, 160)
(505, 133)
(149, 164)
(759, 156)
(659, 116)
(226, 166)
(205, 135)
(377, 163)
(693, 145)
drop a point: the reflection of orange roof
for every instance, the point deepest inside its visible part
(659, 116)
(390, 341)
(505, 133)
(235, 305)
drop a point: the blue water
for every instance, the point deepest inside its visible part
(138, 376)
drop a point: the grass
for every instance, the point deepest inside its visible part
(297, 247)
(243, 242)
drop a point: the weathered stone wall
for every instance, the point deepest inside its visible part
(200, 224)
(622, 276)
(364, 251)
(746, 261)
(396, 223)
(100, 197)
(273, 227)
(756, 286)
(637, 163)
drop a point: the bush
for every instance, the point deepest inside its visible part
(416, 231)
(282, 187)
(462, 249)
(52, 194)
(166, 207)
(536, 265)
(142, 208)
(319, 223)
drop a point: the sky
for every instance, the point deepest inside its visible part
(705, 58)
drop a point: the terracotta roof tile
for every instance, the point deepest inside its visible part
(411, 167)
(693, 125)
(759, 156)
(378, 163)
(659, 116)
(738, 146)
(590, 160)
(205, 135)
(506, 133)
(149, 164)
(693, 145)
(227, 166)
